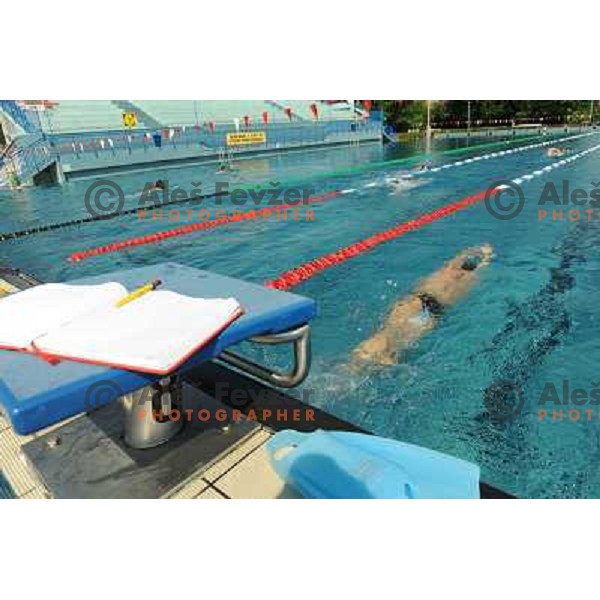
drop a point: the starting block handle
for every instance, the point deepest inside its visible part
(299, 337)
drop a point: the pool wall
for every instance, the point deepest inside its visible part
(91, 152)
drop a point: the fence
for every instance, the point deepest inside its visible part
(99, 149)
(26, 157)
(28, 121)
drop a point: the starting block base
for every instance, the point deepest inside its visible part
(88, 457)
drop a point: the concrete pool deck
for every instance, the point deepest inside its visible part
(242, 472)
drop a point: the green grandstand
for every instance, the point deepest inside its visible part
(68, 116)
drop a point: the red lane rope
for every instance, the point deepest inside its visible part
(152, 238)
(293, 277)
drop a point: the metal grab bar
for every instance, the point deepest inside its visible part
(302, 357)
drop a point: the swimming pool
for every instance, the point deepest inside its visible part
(531, 318)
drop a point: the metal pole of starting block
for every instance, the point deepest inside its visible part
(300, 337)
(146, 413)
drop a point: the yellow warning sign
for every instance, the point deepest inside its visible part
(129, 119)
(6, 288)
(244, 138)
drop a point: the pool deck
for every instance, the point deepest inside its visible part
(240, 469)
(243, 471)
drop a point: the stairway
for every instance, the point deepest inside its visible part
(25, 159)
(28, 152)
(18, 116)
(144, 119)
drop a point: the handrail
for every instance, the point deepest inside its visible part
(300, 337)
(17, 114)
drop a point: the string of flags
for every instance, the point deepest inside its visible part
(83, 144)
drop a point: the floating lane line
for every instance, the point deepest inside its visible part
(252, 215)
(5, 236)
(240, 217)
(499, 154)
(301, 273)
(503, 153)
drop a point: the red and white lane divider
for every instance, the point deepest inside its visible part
(238, 217)
(297, 275)
(253, 215)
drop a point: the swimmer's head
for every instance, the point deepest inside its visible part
(487, 251)
(477, 257)
(470, 263)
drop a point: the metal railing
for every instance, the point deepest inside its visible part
(184, 139)
(27, 156)
(26, 120)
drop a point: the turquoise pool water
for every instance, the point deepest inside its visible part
(531, 319)
(6, 492)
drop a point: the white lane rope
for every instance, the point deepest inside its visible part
(506, 152)
(487, 156)
(549, 168)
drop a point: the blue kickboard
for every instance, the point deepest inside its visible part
(36, 394)
(338, 464)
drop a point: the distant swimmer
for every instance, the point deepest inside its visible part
(424, 166)
(406, 179)
(555, 152)
(225, 167)
(159, 184)
(405, 182)
(419, 312)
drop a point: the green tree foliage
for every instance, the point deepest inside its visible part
(407, 115)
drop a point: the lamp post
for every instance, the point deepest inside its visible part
(468, 118)
(428, 129)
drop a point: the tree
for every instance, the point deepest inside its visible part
(405, 115)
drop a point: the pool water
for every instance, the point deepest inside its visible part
(6, 492)
(530, 319)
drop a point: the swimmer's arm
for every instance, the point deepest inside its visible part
(384, 347)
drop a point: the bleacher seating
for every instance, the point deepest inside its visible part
(184, 112)
(187, 112)
(81, 115)
(96, 115)
(335, 111)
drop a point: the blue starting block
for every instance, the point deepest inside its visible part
(36, 394)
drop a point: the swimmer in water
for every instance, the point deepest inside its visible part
(424, 166)
(556, 152)
(418, 313)
(406, 179)
(159, 184)
(225, 167)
